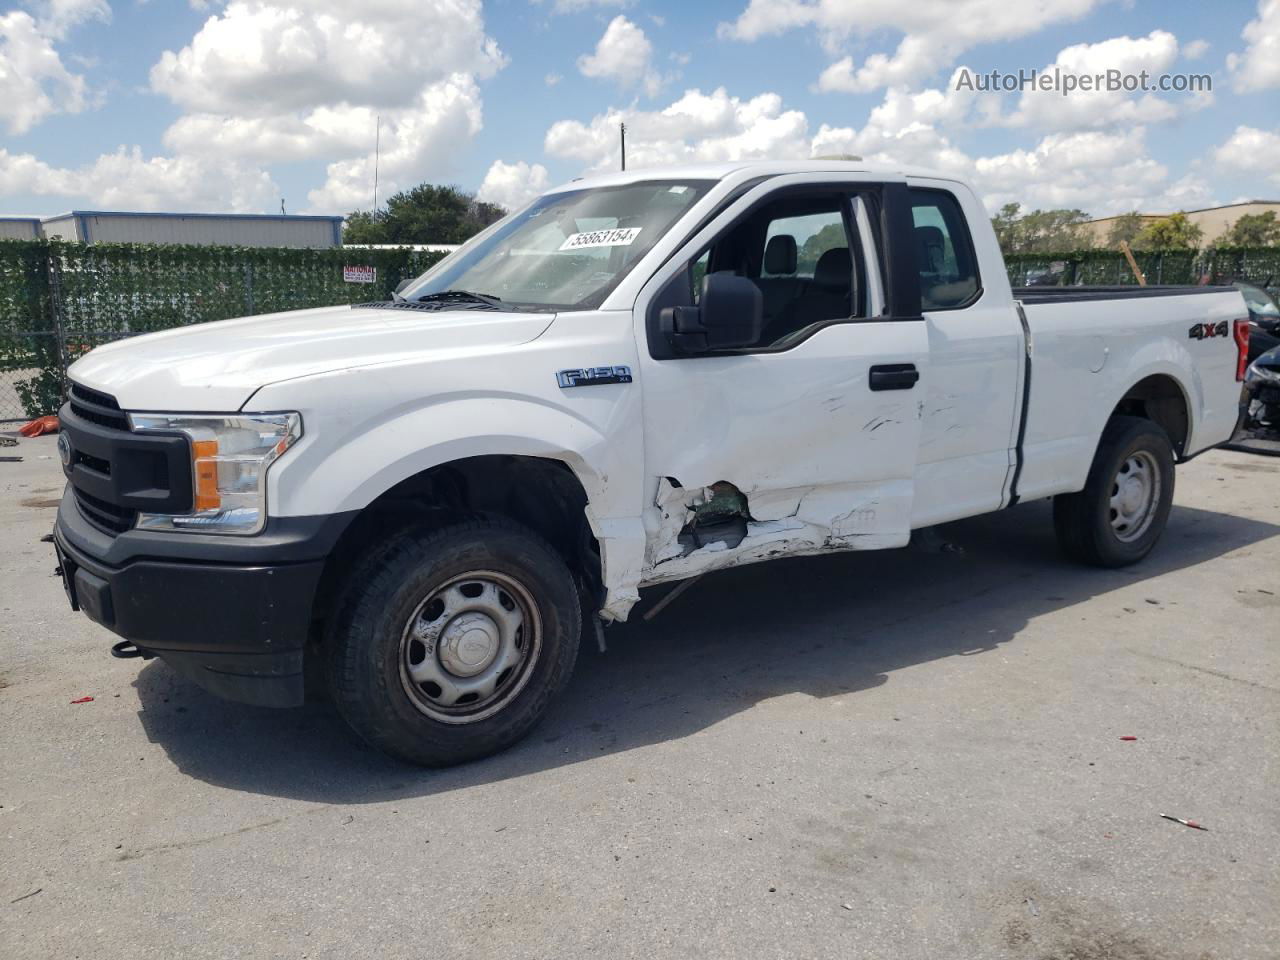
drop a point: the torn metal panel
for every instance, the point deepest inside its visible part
(622, 561)
(711, 527)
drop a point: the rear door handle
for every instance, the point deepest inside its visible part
(894, 376)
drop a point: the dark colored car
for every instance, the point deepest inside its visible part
(1262, 396)
(1264, 319)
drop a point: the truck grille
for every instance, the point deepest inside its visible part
(97, 408)
(107, 517)
(114, 472)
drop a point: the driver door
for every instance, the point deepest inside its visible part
(809, 435)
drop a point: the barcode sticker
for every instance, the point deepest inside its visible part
(622, 237)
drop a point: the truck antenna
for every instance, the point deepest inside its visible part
(622, 130)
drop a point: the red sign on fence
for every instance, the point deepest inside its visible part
(360, 274)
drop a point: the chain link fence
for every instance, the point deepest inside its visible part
(59, 300)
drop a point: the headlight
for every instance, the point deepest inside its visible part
(230, 456)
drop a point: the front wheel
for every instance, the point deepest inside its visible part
(449, 646)
(1122, 510)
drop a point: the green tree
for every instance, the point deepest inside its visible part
(429, 213)
(1174, 232)
(829, 237)
(1124, 229)
(1253, 230)
(1040, 231)
(1005, 224)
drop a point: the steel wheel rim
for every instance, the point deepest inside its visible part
(1135, 496)
(469, 646)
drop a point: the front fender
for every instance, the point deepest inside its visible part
(348, 473)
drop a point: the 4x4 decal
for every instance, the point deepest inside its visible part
(1203, 331)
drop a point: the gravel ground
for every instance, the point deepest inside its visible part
(910, 754)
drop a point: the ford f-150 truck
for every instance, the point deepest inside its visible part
(635, 379)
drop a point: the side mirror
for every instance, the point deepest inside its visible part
(730, 314)
(402, 284)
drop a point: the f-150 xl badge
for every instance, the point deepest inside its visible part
(1203, 331)
(593, 376)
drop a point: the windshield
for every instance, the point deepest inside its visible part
(1259, 301)
(565, 251)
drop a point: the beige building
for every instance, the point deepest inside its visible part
(1214, 221)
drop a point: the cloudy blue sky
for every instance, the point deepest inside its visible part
(208, 105)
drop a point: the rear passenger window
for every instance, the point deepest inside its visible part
(944, 251)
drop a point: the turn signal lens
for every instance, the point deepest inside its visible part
(204, 468)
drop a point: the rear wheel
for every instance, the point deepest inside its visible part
(1119, 515)
(449, 646)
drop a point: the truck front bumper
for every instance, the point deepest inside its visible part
(232, 614)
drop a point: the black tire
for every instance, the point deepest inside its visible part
(368, 637)
(1083, 521)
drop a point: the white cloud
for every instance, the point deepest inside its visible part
(1098, 171)
(264, 57)
(1195, 49)
(1258, 68)
(272, 81)
(36, 83)
(58, 16)
(325, 130)
(934, 32)
(418, 144)
(512, 185)
(577, 6)
(126, 180)
(1095, 171)
(624, 55)
(551, 79)
(696, 127)
(1251, 151)
(1081, 109)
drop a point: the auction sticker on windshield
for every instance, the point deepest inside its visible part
(622, 237)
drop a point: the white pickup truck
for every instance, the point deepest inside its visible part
(634, 379)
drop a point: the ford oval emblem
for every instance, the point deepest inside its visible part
(64, 451)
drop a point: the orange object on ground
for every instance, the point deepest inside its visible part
(40, 426)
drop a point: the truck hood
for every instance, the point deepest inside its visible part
(216, 367)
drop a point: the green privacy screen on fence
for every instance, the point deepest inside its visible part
(59, 300)
(1260, 265)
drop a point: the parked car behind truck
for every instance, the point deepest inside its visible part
(635, 379)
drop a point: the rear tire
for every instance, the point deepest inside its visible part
(1122, 510)
(449, 646)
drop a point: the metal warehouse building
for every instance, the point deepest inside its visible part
(229, 229)
(20, 228)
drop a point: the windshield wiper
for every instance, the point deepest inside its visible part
(494, 303)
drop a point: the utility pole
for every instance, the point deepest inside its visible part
(377, 151)
(622, 129)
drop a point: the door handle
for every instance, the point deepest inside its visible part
(894, 376)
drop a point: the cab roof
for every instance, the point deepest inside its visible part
(746, 169)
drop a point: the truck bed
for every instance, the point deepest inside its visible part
(1089, 345)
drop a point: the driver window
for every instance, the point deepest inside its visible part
(797, 252)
